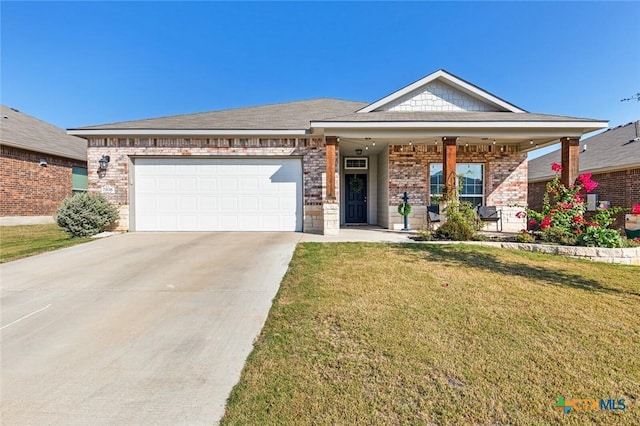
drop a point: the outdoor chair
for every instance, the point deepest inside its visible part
(434, 213)
(491, 214)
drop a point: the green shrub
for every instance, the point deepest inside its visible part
(560, 235)
(85, 214)
(456, 230)
(525, 237)
(463, 223)
(599, 236)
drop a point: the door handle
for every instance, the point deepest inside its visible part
(365, 200)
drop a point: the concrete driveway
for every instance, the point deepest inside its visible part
(141, 328)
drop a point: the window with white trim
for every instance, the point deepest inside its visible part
(470, 175)
(358, 163)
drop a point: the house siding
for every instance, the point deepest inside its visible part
(383, 188)
(437, 96)
(505, 180)
(29, 189)
(621, 188)
(123, 150)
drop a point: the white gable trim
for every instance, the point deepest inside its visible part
(454, 81)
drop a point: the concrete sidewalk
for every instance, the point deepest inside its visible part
(365, 234)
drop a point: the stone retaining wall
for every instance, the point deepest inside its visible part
(627, 256)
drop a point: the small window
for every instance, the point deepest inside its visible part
(360, 163)
(79, 180)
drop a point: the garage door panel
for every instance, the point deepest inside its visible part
(228, 185)
(199, 194)
(208, 204)
(187, 184)
(228, 204)
(207, 185)
(250, 204)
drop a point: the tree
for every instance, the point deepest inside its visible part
(633, 97)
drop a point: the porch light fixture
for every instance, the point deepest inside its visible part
(494, 141)
(366, 147)
(359, 151)
(43, 162)
(104, 163)
(531, 142)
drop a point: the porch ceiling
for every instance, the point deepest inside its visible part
(374, 145)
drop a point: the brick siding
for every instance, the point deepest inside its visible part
(122, 150)
(29, 189)
(505, 179)
(505, 175)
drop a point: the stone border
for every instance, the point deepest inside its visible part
(626, 256)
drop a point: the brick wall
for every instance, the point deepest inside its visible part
(621, 188)
(121, 150)
(28, 189)
(505, 178)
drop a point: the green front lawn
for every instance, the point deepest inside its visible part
(22, 241)
(442, 334)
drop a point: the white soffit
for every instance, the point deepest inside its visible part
(451, 80)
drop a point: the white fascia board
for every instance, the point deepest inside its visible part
(452, 80)
(440, 132)
(595, 125)
(184, 132)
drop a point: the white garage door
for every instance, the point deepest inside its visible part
(212, 194)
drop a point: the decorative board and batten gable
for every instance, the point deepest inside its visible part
(441, 92)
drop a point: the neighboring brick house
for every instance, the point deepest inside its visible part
(40, 165)
(613, 158)
(266, 167)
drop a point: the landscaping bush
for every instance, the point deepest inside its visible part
(462, 224)
(85, 214)
(525, 237)
(562, 219)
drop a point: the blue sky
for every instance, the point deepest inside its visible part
(82, 63)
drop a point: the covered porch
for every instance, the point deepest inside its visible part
(487, 167)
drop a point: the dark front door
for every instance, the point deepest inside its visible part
(356, 198)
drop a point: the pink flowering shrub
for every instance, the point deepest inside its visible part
(562, 217)
(635, 209)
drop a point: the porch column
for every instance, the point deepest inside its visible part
(570, 166)
(331, 144)
(449, 165)
(330, 205)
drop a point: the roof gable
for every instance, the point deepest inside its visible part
(441, 91)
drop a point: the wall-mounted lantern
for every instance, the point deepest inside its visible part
(43, 162)
(104, 163)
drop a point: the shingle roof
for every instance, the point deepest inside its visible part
(24, 131)
(284, 116)
(615, 148)
(469, 116)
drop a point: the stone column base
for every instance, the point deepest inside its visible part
(331, 218)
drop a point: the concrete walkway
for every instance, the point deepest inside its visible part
(367, 234)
